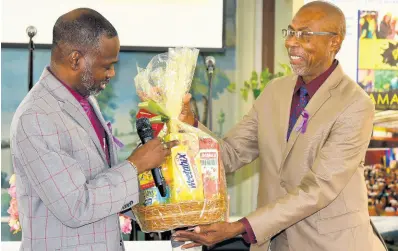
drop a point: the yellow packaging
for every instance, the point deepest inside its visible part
(149, 195)
(183, 168)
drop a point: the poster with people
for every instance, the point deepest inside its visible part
(378, 75)
(378, 56)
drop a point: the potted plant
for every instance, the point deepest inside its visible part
(258, 82)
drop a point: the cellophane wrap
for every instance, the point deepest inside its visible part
(194, 173)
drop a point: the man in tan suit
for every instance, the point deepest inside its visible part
(311, 132)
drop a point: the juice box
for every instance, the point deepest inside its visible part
(210, 161)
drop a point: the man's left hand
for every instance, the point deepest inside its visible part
(209, 235)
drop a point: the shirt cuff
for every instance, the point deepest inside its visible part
(248, 236)
(196, 123)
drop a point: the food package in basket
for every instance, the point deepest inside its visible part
(194, 173)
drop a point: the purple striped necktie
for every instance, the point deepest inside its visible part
(304, 98)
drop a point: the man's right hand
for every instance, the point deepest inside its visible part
(151, 155)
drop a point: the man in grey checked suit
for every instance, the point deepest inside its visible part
(70, 186)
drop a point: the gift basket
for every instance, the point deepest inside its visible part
(194, 173)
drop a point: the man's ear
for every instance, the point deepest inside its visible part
(336, 42)
(75, 60)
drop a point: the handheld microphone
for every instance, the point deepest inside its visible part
(210, 64)
(145, 132)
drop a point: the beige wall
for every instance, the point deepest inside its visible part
(244, 182)
(297, 5)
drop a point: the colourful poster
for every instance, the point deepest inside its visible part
(378, 56)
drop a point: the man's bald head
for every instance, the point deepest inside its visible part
(316, 34)
(332, 15)
(80, 30)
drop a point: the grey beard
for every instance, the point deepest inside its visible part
(89, 84)
(90, 88)
(299, 70)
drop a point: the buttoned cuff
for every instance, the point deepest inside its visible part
(248, 236)
(196, 123)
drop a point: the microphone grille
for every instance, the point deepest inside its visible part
(210, 60)
(142, 123)
(31, 31)
(144, 128)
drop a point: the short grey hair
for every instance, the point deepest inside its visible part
(81, 29)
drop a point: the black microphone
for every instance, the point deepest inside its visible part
(145, 132)
(210, 66)
(31, 31)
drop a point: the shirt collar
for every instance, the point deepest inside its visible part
(316, 83)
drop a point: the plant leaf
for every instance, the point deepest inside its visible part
(286, 68)
(254, 80)
(231, 87)
(244, 93)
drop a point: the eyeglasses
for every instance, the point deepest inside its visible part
(304, 35)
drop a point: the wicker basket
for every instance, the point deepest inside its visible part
(165, 217)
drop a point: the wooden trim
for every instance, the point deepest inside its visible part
(385, 139)
(268, 48)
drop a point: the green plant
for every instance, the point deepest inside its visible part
(258, 82)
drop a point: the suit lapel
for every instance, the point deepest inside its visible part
(316, 102)
(285, 103)
(108, 132)
(71, 106)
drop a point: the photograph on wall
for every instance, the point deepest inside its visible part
(377, 74)
(378, 56)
